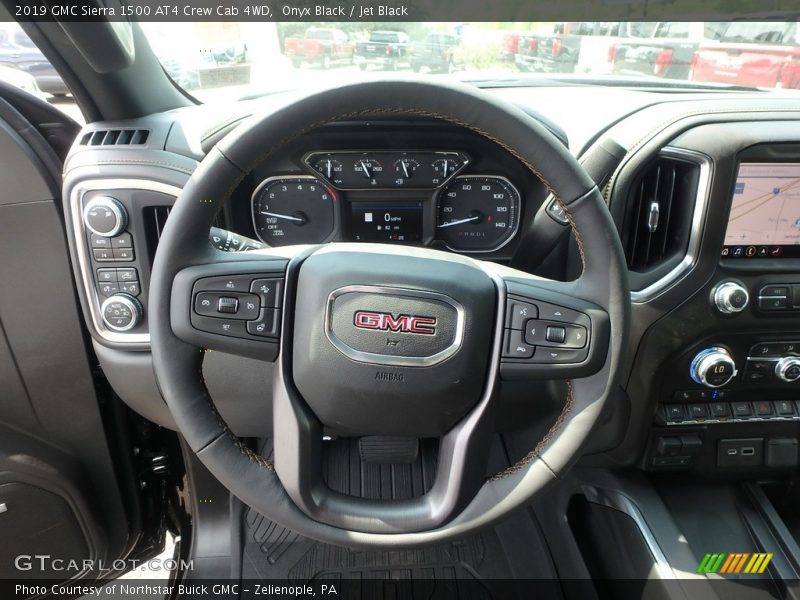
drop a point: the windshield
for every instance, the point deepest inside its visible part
(224, 60)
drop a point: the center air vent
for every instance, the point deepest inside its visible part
(659, 213)
(115, 137)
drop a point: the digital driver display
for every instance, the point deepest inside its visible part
(399, 222)
(764, 221)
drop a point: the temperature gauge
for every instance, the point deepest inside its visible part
(368, 168)
(330, 168)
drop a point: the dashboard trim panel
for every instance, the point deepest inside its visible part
(82, 248)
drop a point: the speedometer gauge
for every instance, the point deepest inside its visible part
(477, 213)
(293, 210)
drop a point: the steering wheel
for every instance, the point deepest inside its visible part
(374, 339)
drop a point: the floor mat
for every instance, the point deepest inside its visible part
(490, 564)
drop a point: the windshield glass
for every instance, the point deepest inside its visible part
(224, 60)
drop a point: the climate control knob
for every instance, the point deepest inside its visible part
(713, 367)
(730, 298)
(121, 312)
(788, 369)
(105, 216)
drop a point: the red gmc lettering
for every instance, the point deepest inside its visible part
(402, 323)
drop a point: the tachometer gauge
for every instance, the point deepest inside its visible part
(477, 213)
(293, 210)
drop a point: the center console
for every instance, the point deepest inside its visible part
(729, 400)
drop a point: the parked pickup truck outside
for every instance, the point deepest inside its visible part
(387, 49)
(322, 46)
(668, 53)
(439, 52)
(576, 47)
(756, 54)
(17, 51)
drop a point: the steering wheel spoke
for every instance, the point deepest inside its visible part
(231, 305)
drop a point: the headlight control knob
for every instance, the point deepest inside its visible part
(712, 367)
(730, 298)
(121, 312)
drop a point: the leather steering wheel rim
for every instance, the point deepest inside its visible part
(178, 363)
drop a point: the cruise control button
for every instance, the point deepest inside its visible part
(267, 325)
(519, 313)
(229, 327)
(205, 303)
(270, 291)
(552, 312)
(516, 346)
(232, 283)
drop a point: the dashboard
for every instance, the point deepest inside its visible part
(704, 190)
(443, 188)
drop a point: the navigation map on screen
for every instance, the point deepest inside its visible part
(765, 216)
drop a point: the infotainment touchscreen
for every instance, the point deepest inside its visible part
(765, 216)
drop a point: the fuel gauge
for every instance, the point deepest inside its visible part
(404, 170)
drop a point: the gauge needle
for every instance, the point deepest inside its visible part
(329, 169)
(460, 222)
(405, 168)
(280, 216)
(365, 168)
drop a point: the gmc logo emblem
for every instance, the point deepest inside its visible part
(402, 323)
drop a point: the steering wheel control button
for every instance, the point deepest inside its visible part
(515, 345)
(270, 291)
(121, 312)
(556, 356)
(557, 335)
(228, 327)
(518, 313)
(730, 298)
(713, 367)
(105, 216)
(267, 325)
(230, 283)
(226, 304)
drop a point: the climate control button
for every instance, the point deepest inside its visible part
(712, 367)
(788, 369)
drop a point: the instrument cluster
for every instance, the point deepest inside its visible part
(404, 197)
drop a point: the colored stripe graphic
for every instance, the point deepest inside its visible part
(735, 563)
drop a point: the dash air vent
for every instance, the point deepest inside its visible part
(115, 137)
(659, 215)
